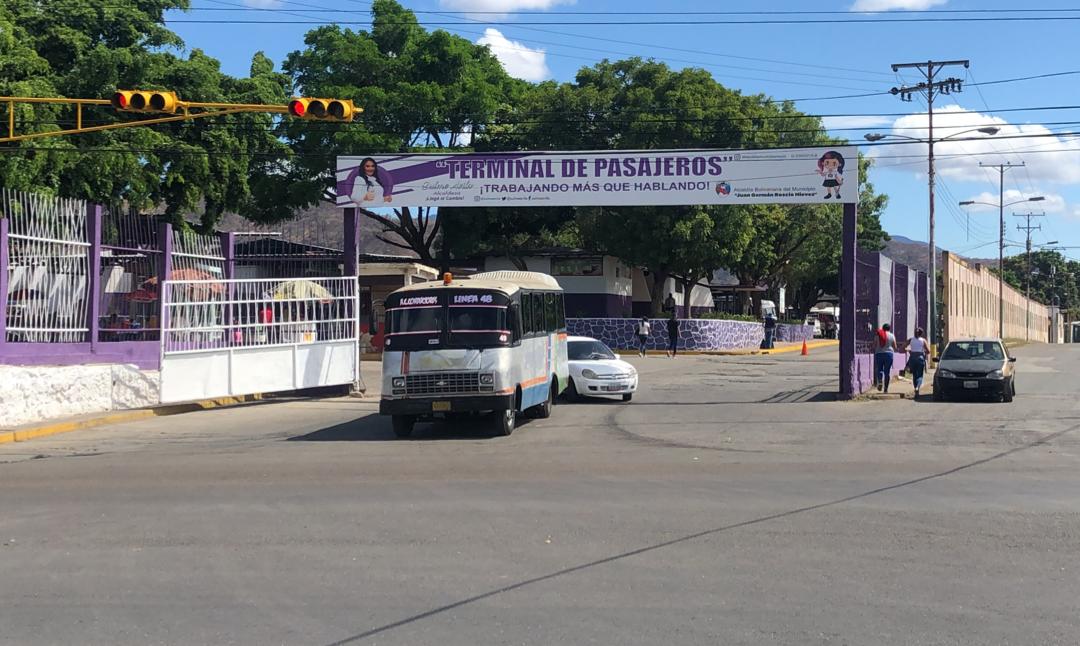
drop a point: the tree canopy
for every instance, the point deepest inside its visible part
(81, 49)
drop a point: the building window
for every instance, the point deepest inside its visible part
(589, 266)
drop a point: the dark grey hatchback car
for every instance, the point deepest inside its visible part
(975, 367)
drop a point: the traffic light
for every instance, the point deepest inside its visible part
(140, 101)
(324, 109)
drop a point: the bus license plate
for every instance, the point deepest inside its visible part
(971, 385)
(440, 407)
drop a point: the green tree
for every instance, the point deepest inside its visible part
(420, 91)
(638, 104)
(1054, 279)
(80, 49)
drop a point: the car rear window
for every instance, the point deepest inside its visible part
(978, 350)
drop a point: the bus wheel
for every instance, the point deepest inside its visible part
(505, 421)
(403, 425)
(543, 411)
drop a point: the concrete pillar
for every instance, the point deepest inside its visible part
(93, 282)
(4, 264)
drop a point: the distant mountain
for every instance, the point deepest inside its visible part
(913, 253)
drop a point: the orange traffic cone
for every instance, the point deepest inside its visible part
(804, 351)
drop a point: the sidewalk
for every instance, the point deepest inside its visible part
(904, 388)
(780, 348)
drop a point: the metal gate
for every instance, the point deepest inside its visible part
(240, 337)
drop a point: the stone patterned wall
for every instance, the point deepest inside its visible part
(694, 334)
(794, 333)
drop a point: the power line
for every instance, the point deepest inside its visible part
(658, 23)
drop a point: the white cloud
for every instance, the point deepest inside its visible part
(988, 201)
(891, 5)
(1048, 157)
(263, 4)
(836, 123)
(518, 60)
(500, 6)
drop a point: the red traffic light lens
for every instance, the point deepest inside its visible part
(297, 108)
(119, 100)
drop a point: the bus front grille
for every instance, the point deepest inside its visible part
(442, 383)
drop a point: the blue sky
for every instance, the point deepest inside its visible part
(797, 61)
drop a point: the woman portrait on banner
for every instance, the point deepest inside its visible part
(364, 180)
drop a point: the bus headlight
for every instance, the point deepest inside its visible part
(399, 382)
(487, 379)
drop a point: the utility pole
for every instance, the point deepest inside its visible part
(930, 88)
(1029, 228)
(1001, 168)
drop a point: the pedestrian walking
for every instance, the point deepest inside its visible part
(770, 331)
(917, 352)
(642, 331)
(673, 335)
(885, 346)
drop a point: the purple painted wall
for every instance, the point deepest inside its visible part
(694, 334)
(598, 306)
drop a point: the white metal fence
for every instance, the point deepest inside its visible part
(209, 314)
(233, 337)
(49, 268)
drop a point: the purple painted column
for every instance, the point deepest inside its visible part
(848, 270)
(351, 263)
(93, 284)
(4, 262)
(165, 242)
(352, 242)
(922, 296)
(228, 251)
(899, 294)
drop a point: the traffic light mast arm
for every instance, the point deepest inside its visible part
(211, 110)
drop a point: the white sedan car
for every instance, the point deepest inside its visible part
(596, 370)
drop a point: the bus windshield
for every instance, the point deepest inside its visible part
(416, 320)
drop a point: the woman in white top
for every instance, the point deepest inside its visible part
(917, 351)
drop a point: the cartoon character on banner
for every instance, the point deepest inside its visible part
(363, 180)
(831, 168)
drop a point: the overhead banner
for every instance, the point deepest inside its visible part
(602, 178)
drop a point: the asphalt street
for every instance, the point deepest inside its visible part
(732, 502)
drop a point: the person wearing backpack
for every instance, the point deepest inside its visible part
(643, 329)
(884, 347)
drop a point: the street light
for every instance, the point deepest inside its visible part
(877, 136)
(1001, 253)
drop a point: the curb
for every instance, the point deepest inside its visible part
(810, 345)
(44, 429)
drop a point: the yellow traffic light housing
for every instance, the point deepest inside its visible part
(323, 109)
(145, 101)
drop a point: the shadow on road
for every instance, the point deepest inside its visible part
(376, 428)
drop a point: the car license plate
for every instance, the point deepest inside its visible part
(440, 407)
(972, 385)
(615, 388)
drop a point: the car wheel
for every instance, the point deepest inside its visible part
(403, 425)
(504, 421)
(938, 396)
(627, 397)
(571, 392)
(1008, 392)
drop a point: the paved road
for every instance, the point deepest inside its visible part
(729, 503)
